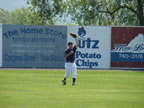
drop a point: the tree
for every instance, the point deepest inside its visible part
(4, 16)
(140, 12)
(25, 16)
(49, 10)
(92, 12)
(107, 12)
(21, 16)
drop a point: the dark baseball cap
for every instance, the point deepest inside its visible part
(70, 43)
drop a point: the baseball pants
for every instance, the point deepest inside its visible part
(70, 67)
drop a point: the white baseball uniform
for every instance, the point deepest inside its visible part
(70, 65)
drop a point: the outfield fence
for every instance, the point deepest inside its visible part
(29, 46)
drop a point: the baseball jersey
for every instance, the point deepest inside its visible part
(70, 58)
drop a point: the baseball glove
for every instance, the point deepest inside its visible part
(73, 35)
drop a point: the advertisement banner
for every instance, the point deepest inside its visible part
(94, 46)
(34, 46)
(0, 45)
(127, 47)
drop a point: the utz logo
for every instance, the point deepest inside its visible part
(136, 45)
(86, 42)
(81, 32)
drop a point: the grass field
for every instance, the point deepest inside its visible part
(94, 89)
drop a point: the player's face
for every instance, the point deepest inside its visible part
(70, 46)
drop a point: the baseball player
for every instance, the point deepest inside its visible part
(70, 65)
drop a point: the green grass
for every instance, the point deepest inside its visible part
(94, 89)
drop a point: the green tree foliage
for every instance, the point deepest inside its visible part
(4, 16)
(21, 16)
(49, 10)
(25, 16)
(82, 12)
(92, 12)
(107, 12)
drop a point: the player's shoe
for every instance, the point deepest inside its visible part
(74, 84)
(63, 82)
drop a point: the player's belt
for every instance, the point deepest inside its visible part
(69, 61)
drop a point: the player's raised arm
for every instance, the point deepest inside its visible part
(77, 43)
(75, 36)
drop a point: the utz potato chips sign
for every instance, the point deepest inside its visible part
(127, 47)
(94, 46)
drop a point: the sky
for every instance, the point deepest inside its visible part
(11, 5)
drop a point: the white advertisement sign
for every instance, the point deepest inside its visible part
(0, 45)
(94, 46)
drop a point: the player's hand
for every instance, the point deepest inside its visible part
(71, 52)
